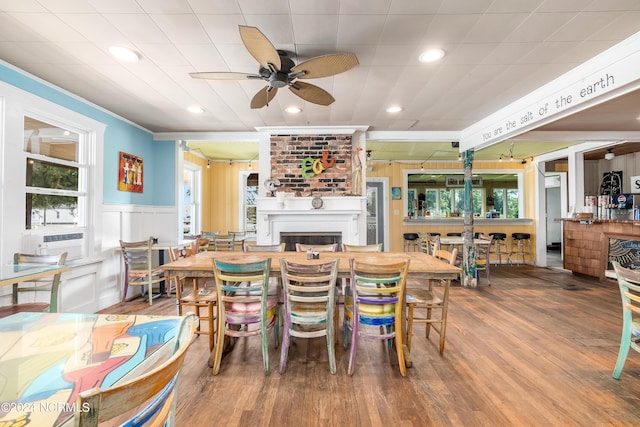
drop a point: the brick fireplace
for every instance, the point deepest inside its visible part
(313, 162)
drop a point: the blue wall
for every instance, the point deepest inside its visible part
(159, 156)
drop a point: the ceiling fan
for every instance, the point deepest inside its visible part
(279, 71)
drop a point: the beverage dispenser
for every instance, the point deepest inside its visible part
(623, 206)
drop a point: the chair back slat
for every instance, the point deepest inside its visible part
(362, 248)
(333, 247)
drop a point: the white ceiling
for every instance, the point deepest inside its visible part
(496, 52)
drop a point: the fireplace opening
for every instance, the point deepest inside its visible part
(308, 238)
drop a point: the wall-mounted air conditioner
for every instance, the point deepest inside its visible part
(55, 244)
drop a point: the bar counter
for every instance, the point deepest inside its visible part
(586, 243)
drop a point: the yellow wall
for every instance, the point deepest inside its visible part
(220, 191)
(394, 171)
(220, 194)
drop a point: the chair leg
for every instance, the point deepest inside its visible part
(220, 340)
(624, 350)
(354, 344)
(428, 324)
(331, 347)
(264, 337)
(409, 324)
(399, 344)
(211, 326)
(284, 351)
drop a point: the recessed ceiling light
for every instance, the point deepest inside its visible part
(195, 109)
(431, 55)
(394, 109)
(292, 110)
(124, 54)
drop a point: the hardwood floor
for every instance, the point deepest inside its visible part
(535, 348)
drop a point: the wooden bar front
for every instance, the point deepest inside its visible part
(586, 243)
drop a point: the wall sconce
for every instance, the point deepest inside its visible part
(609, 155)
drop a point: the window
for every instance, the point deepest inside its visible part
(443, 201)
(506, 202)
(440, 193)
(55, 176)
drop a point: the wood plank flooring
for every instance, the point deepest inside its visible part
(536, 348)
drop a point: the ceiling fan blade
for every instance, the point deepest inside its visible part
(311, 93)
(223, 75)
(259, 47)
(263, 97)
(326, 65)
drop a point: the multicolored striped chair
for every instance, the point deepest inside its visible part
(373, 305)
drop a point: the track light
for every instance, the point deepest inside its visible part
(208, 164)
(422, 166)
(500, 158)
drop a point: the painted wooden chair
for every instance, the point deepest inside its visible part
(246, 247)
(629, 284)
(432, 243)
(138, 267)
(244, 307)
(155, 392)
(483, 251)
(373, 306)
(49, 285)
(427, 299)
(317, 248)
(198, 298)
(362, 248)
(309, 305)
(223, 242)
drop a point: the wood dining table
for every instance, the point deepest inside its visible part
(422, 267)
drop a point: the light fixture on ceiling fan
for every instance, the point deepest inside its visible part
(609, 155)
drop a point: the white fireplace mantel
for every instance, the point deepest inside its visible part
(290, 214)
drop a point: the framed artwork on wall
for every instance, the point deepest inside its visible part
(396, 193)
(130, 173)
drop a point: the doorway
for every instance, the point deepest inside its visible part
(191, 199)
(555, 207)
(377, 206)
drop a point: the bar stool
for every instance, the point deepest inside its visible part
(499, 247)
(520, 246)
(411, 241)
